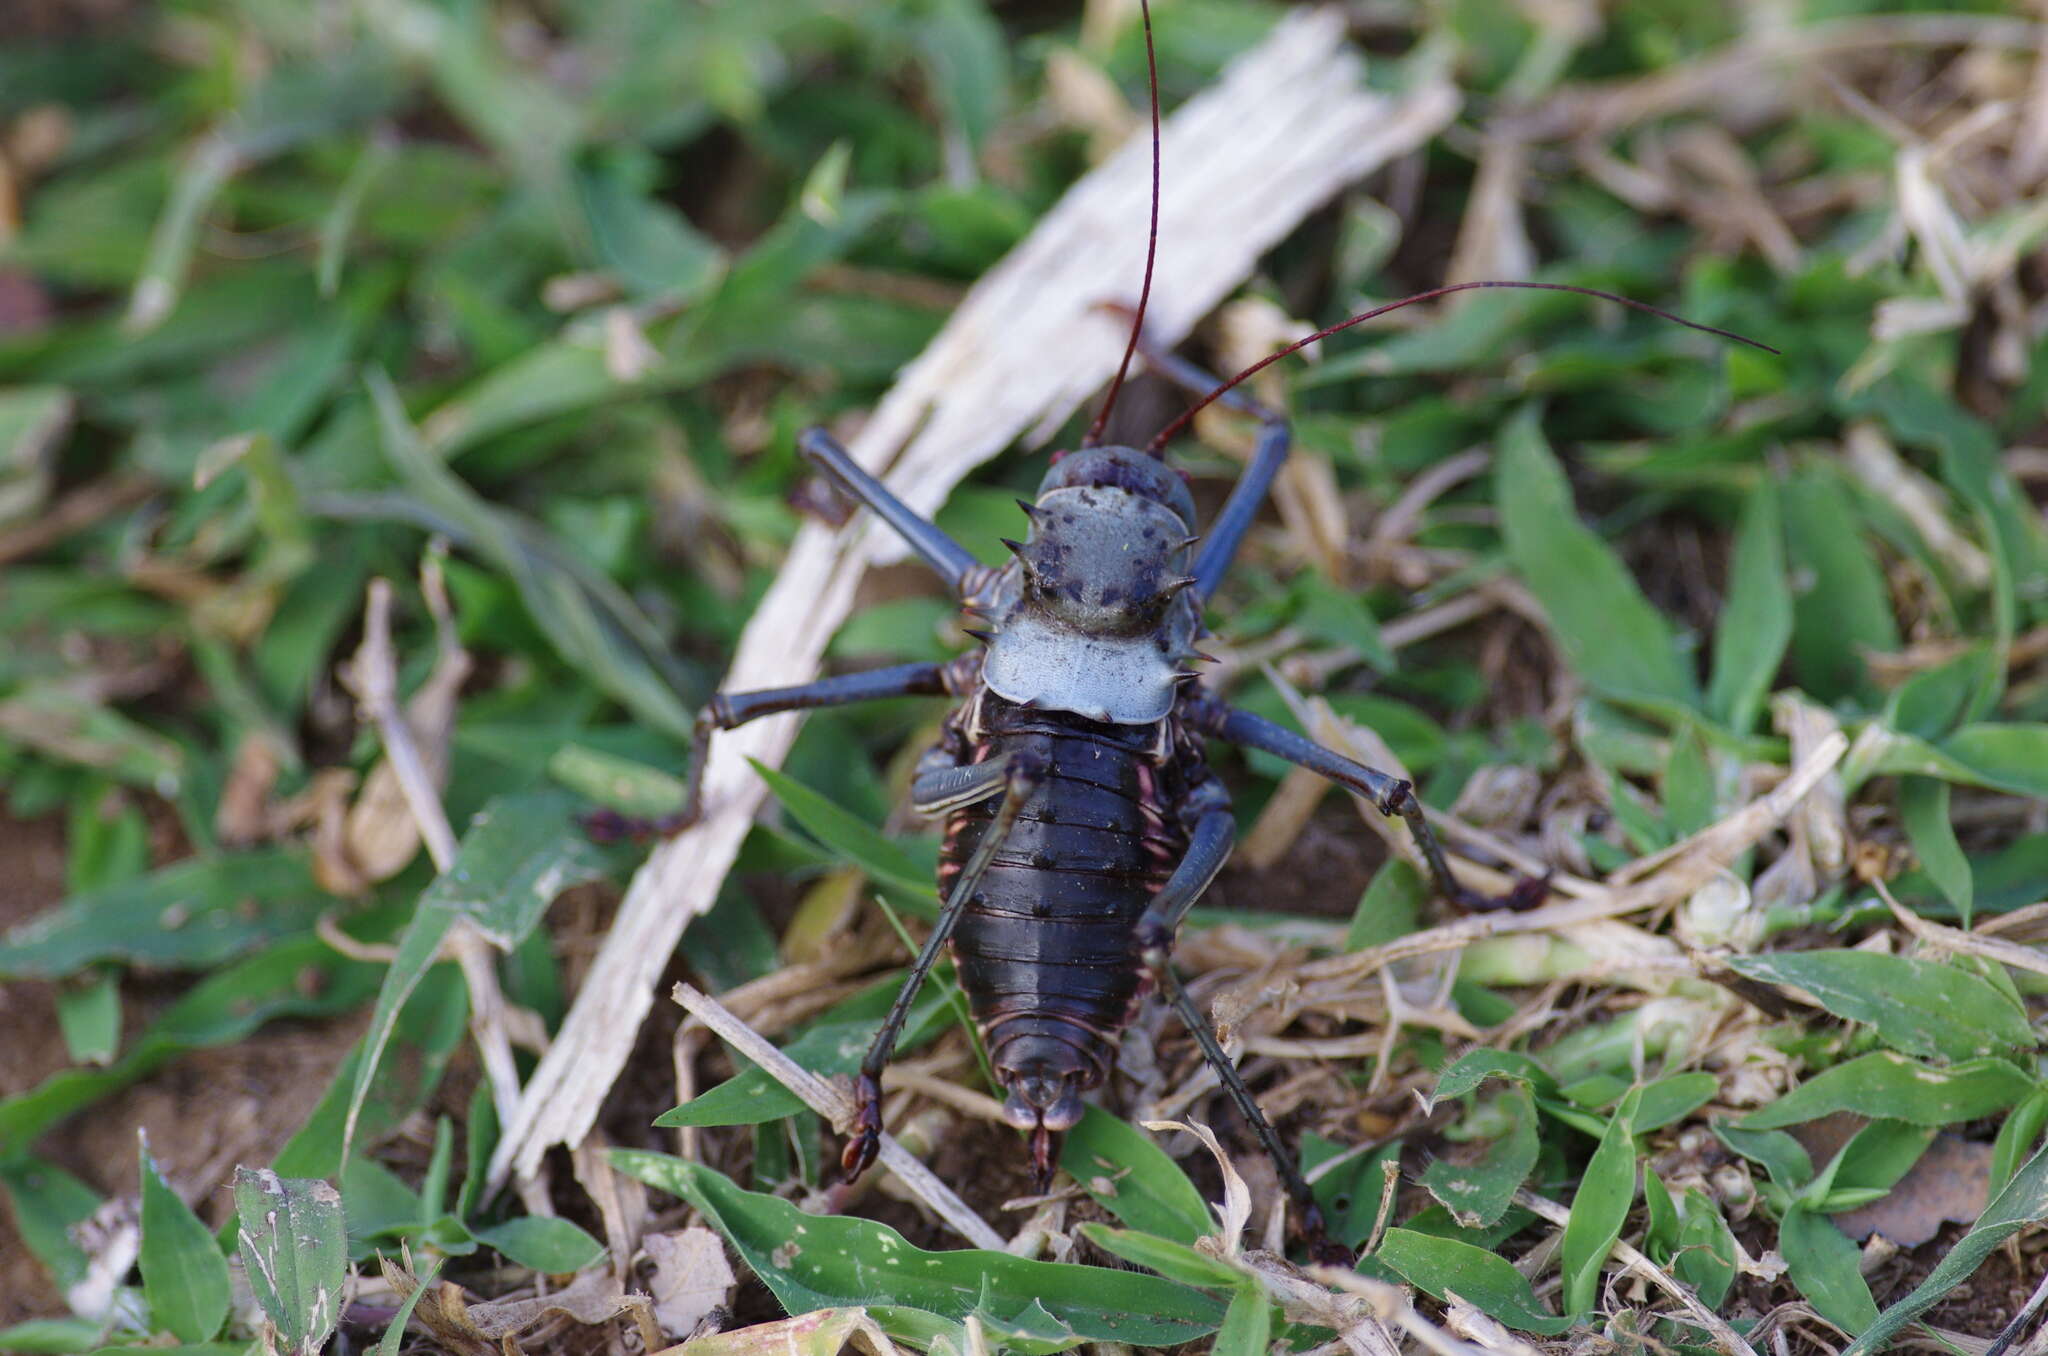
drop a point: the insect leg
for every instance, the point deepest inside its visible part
(1197, 1023)
(729, 710)
(1021, 777)
(1390, 795)
(937, 790)
(940, 551)
(1209, 844)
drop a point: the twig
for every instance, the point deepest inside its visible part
(1632, 1257)
(1969, 943)
(74, 512)
(837, 1107)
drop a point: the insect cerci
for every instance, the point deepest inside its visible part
(1082, 818)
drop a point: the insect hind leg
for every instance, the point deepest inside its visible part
(1022, 775)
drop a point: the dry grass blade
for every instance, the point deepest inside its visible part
(1685, 868)
(373, 676)
(836, 1106)
(1288, 125)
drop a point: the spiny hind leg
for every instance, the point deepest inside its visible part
(1021, 776)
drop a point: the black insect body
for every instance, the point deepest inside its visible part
(1082, 817)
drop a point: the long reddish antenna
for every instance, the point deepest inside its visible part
(1158, 444)
(1094, 433)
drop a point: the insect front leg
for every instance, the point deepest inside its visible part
(952, 561)
(1019, 775)
(729, 710)
(1390, 795)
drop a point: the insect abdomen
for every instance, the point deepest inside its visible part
(1047, 943)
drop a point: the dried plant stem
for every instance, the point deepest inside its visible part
(374, 679)
(836, 1106)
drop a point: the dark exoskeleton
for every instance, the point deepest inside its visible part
(1082, 817)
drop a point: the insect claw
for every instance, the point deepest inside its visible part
(1016, 548)
(983, 636)
(1174, 586)
(1030, 509)
(1190, 541)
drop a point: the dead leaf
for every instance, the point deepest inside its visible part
(825, 1332)
(692, 1278)
(1950, 1183)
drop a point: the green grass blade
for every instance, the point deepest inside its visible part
(184, 1277)
(1606, 1191)
(1608, 631)
(1755, 626)
(1916, 1006)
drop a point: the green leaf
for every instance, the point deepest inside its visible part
(1489, 1282)
(2005, 757)
(1130, 1176)
(519, 853)
(299, 978)
(553, 1246)
(193, 915)
(52, 1337)
(833, 1045)
(626, 785)
(1609, 633)
(1175, 1261)
(1670, 1100)
(1600, 1206)
(1389, 907)
(815, 1262)
(1477, 1066)
(89, 1012)
(2022, 1203)
(1822, 1262)
(184, 1277)
(1705, 1259)
(1247, 1324)
(1351, 1192)
(1920, 1007)
(1336, 616)
(888, 863)
(48, 1203)
(1755, 625)
(1841, 607)
(1780, 1155)
(294, 1245)
(1882, 1084)
(2017, 1135)
(1923, 806)
(1477, 1194)
(593, 625)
